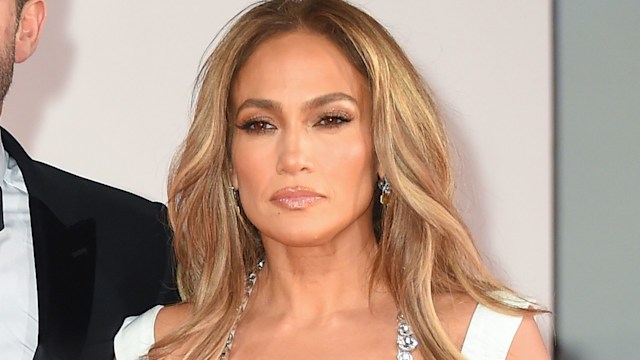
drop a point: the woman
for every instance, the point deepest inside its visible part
(313, 210)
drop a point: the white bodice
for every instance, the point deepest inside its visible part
(489, 335)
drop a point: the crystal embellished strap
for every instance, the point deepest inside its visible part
(251, 282)
(406, 341)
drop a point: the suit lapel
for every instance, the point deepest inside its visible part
(65, 269)
(65, 257)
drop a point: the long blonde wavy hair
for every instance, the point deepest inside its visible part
(424, 248)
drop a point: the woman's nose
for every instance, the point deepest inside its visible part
(294, 152)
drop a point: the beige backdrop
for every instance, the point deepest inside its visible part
(107, 96)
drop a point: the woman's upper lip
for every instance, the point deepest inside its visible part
(292, 192)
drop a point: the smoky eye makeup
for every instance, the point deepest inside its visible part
(256, 125)
(333, 119)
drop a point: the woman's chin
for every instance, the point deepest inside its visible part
(297, 239)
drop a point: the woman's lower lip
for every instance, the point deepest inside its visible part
(297, 203)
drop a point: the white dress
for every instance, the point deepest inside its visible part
(489, 335)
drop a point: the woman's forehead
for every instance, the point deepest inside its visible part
(300, 63)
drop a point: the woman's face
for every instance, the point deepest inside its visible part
(302, 147)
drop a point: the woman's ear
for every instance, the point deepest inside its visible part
(30, 23)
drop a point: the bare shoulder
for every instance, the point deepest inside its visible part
(455, 312)
(170, 318)
(527, 343)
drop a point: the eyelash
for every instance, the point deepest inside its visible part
(256, 126)
(338, 119)
(329, 121)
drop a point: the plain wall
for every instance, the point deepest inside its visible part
(107, 96)
(598, 174)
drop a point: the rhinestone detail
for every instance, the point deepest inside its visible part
(251, 282)
(406, 341)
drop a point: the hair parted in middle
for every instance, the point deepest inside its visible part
(423, 249)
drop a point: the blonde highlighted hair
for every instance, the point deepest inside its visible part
(424, 248)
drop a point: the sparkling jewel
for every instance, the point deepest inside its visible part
(404, 329)
(407, 343)
(404, 355)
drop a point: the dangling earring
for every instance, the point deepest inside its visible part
(385, 190)
(236, 195)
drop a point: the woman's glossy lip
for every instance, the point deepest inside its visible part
(295, 198)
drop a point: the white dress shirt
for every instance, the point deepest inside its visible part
(18, 292)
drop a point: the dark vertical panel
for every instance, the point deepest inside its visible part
(598, 179)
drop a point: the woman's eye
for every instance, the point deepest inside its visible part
(257, 126)
(332, 120)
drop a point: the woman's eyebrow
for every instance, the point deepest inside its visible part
(311, 104)
(327, 99)
(259, 103)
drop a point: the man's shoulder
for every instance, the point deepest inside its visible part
(62, 180)
(72, 197)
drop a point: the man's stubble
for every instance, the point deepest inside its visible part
(7, 58)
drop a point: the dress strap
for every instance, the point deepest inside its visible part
(490, 334)
(136, 336)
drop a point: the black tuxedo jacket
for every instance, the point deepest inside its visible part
(101, 254)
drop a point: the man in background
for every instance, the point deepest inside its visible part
(76, 257)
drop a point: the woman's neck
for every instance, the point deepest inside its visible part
(316, 283)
